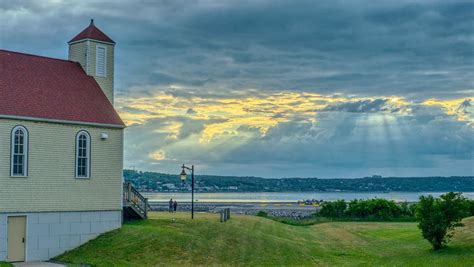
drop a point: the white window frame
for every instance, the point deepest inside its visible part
(88, 155)
(97, 60)
(25, 151)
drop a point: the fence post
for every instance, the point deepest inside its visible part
(146, 207)
(129, 197)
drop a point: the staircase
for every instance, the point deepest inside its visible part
(135, 206)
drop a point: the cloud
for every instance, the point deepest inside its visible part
(334, 134)
(365, 106)
(275, 87)
(383, 48)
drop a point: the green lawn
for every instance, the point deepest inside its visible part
(255, 241)
(5, 264)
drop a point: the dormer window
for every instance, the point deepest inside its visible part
(19, 152)
(101, 61)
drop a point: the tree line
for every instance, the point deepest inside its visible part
(153, 181)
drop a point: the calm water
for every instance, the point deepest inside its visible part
(288, 196)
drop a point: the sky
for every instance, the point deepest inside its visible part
(278, 88)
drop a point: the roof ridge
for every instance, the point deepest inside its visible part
(33, 55)
(92, 32)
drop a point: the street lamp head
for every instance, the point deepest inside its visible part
(183, 175)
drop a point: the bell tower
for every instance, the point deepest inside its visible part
(94, 50)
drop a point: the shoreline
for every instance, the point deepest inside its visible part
(280, 209)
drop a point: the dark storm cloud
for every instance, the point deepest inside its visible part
(217, 50)
(363, 106)
(359, 47)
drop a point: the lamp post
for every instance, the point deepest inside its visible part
(183, 176)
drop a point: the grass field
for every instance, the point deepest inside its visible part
(255, 241)
(5, 264)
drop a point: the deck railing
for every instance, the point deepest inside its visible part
(131, 197)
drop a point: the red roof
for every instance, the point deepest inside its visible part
(49, 88)
(92, 32)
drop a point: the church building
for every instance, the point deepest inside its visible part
(61, 149)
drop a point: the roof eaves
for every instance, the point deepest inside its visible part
(94, 124)
(89, 39)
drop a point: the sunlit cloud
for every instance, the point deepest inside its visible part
(157, 155)
(462, 109)
(227, 116)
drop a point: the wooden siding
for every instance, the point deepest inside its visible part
(51, 184)
(77, 52)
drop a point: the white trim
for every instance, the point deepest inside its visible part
(25, 150)
(89, 39)
(97, 47)
(88, 156)
(25, 118)
(26, 233)
(88, 49)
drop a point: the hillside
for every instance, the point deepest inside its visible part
(255, 241)
(160, 182)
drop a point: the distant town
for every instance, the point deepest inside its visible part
(160, 182)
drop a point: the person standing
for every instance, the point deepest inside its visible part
(175, 205)
(170, 207)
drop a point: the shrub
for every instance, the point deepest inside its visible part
(439, 216)
(374, 209)
(471, 207)
(262, 214)
(333, 209)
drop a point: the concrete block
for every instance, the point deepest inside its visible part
(64, 241)
(3, 231)
(114, 225)
(52, 217)
(110, 216)
(33, 218)
(3, 245)
(32, 242)
(39, 229)
(59, 228)
(80, 228)
(38, 255)
(99, 227)
(90, 216)
(48, 242)
(53, 252)
(68, 217)
(88, 237)
(74, 241)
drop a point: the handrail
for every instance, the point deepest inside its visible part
(132, 197)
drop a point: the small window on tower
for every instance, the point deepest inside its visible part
(101, 63)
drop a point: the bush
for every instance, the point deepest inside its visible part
(262, 214)
(471, 207)
(333, 209)
(438, 217)
(370, 209)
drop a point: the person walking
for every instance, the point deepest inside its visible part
(175, 205)
(170, 207)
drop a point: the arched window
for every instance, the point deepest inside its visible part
(19, 152)
(83, 154)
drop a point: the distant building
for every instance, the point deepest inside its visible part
(61, 149)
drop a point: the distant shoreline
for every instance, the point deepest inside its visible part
(257, 198)
(265, 192)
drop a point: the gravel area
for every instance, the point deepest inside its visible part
(292, 210)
